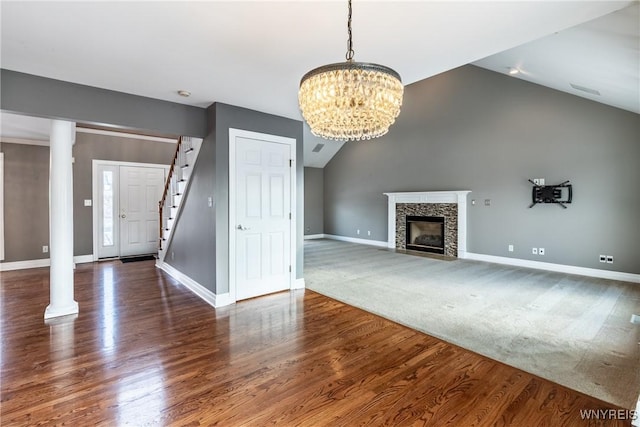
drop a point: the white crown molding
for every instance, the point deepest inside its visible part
(126, 135)
(25, 141)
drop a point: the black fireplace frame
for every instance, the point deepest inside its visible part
(424, 218)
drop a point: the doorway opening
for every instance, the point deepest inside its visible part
(125, 208)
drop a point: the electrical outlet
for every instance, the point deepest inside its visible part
(510, 248)
(369, 233)
(45, 249)
(358, 231)
(172, 254)
(534, 251)
(603, 258)
(540, 251)
(609, 259)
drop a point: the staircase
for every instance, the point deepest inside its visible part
(175, 189)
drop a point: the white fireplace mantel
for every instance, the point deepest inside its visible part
(459, 197)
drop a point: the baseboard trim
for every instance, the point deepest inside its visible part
(377, 243)
(298, 284)
(313, 236)
(205, 294)
(23, 265)
(83, 259)
(560, 268)
(39, 263)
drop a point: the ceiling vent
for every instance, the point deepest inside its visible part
(585, 89)
(317, 148)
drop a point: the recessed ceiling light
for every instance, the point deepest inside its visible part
(184, 93)
(513, 71)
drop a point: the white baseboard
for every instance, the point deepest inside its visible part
(83, 259)
(560, 268)
(313, 236)
(299, 284)
(356, 240)
(195, 287)
(23, 265)
(39, 263)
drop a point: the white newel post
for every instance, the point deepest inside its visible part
(61, 220)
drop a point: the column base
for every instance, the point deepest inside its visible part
(61, 311)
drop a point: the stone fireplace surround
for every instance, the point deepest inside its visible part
(452, 205)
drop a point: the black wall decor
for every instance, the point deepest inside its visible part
(560, 194)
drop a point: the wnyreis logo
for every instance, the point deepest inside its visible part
(608, 414)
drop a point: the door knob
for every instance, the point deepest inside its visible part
(241, 227)
(123, 216)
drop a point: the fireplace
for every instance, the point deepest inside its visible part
(450, 205)
(425, 233)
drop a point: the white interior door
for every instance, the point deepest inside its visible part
(140, 190)
(262, 227)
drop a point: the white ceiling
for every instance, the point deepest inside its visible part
(253, 53)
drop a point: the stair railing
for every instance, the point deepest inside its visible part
(168, 188)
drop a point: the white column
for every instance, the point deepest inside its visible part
(61, 220)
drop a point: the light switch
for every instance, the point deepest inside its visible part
(87, 202)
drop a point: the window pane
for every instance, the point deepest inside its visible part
(107, 208)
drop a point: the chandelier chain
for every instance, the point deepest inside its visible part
(350, 51)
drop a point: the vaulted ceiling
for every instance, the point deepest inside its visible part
(253, 53)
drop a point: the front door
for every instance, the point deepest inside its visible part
(262, 226)
(140, 190)
(127, 208)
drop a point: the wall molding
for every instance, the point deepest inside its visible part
(26, 141)
(23, 265)
(377, 243)
(314, 236)
(560, 268)
(205, 294)
(39, 263)
(81, 129)
(298, 284)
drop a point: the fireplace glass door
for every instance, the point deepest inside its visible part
(425, 233)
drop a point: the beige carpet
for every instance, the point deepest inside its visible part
(573, 330)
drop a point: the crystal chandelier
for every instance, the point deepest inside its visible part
(350, 100)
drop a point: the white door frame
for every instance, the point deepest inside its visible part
(95, 191)
(1, 206)
(233, 134)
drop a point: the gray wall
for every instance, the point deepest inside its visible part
(190, 242)
(313, 201)
(44, 97)
(473, 129)
(89, 147)
(26, 204)
(26, 201)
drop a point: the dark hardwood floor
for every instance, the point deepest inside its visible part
(144, 351)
